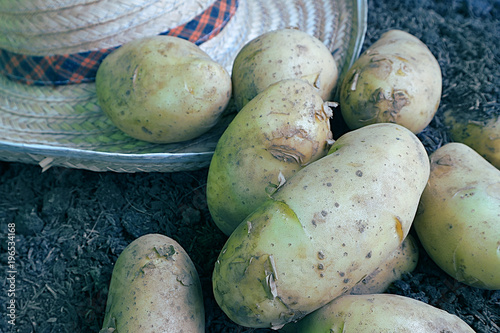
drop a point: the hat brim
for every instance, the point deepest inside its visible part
(64, 126)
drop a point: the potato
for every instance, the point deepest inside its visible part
(280, 131)
(328, 226)
(402, 261)
(162, 89)
(154, 288)
(458, 222)
(396, 80)
(480, 132)
(379, 313)
(282, 54)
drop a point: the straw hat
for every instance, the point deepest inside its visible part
(50, 52)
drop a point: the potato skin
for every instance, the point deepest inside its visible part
(162, 89)
(397, 80)
(280, 131)
(379, 313)
(458, 222)
(481, 133)
(278, 55)
(154, 288)
(401, 261)
(332, 223)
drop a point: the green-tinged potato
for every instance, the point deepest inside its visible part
(162, 89)
(154, 288)
(458, 221)
(379, 313)
(280, 131)
(396, 80)
(327, 227)
(402, 261)
(480, 132)
(278, 55)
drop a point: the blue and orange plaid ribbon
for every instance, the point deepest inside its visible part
(82, 67)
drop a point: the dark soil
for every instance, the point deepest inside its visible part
(71, 225)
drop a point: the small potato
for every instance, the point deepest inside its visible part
(331, 224)
(278, 55)
(277, 133)
(162, 89)
(154, 288)
(396, 80)
(402, 261)
(480, 132)
(379, 313)
(458, 221)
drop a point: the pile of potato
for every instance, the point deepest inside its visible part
(318, 229)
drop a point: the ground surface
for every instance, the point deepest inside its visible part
(71, 225)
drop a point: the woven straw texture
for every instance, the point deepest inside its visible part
(64, 126)
(87, 25)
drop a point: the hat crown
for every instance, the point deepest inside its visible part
(83, 43)
(45, 27)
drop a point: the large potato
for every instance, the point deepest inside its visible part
(162, 89)
(401, 261)
(458, 222)
(379, 313)
(281, 130)
(154, 288)
(331, 224)
(480, 132)
(396, 80)
(278, 55)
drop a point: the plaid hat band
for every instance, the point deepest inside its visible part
(82, 67)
